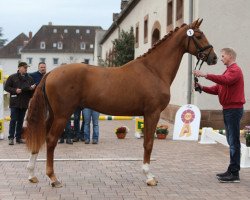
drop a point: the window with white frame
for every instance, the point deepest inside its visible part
(86, 61)
(29, 61)
(54, 30)
(42, 45)
(65, 30)
(82, 45)
(60, 45)
(42, 60)
(88, 31)
(54, 45)
(77, 31)
(91, 46)
(19, 49)
(55, 61)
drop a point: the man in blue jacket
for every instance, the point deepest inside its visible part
(38, 75)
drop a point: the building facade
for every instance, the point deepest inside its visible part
(225, 24)
(56, 45)
(11, 54)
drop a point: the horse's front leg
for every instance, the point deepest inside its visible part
(31, 167)
(150, 123)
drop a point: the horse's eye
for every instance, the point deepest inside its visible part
(199, 37)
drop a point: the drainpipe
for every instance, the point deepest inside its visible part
(190, 59)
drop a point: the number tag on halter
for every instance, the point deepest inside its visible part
(190, 32)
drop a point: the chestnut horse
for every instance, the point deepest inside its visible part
(70, 86)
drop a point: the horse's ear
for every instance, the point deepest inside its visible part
(196, 23)
(199, 21)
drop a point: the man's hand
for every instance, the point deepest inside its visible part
(18, 90)
(199, 73)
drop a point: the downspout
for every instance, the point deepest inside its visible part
(190, 59)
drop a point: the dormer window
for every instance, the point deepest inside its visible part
(60, 45)
(19, 49)
(42, 45)
(88, 31)
(77, 31)
(82, 45)
(54, 30)
(65, 30)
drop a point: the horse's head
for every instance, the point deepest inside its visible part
(198, 45)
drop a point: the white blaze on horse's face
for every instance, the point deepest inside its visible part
(190, 32)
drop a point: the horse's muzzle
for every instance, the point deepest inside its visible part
(212, 59)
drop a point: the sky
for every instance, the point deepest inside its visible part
(23, 16)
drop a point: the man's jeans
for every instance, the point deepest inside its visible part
(232, 119)
(88, 113)
(16, 122)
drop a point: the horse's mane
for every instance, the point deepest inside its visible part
(162, 40)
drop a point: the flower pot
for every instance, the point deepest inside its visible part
(248, 143)
(161, 136)
(121, 135)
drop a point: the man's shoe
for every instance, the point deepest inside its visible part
(61, 141)
(95, 141)
(69, 141)
(20, 141)
(75, 139)
(220, 175)
(230, 179)
(82, 139)
(87, 141)
(11, 142)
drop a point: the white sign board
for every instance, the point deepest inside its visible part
(187, 123)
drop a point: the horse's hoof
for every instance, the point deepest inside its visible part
(152, 182)
(33, 180)
(56, 184)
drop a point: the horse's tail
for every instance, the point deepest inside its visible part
(35, 132)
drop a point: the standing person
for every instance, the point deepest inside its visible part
(78, 134)
(20, 86)
(230, 90)
(67, 133)
(38, 75)
(88, 114)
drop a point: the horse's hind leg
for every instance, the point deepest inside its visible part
(52, 138)
(150, 121)
(31, 167)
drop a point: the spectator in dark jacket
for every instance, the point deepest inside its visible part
(20, 86)
(38, 75)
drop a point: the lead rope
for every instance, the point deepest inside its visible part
(197, 87)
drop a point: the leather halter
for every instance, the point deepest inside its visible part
(200, 54)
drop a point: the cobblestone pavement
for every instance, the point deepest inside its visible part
(112, 170)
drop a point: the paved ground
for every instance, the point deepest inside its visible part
(185, 170)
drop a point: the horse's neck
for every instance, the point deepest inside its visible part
(166, 58)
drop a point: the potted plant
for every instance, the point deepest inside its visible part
(247, 135)
(121, 132)
(162, 131)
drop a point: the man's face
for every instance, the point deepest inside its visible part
(226, 59)
(23, 69)
(42, 68)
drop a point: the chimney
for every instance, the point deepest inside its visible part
(50, 23)
(115, 16)
(30, 35)
(124, 3)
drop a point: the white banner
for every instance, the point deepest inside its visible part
(187, 123)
